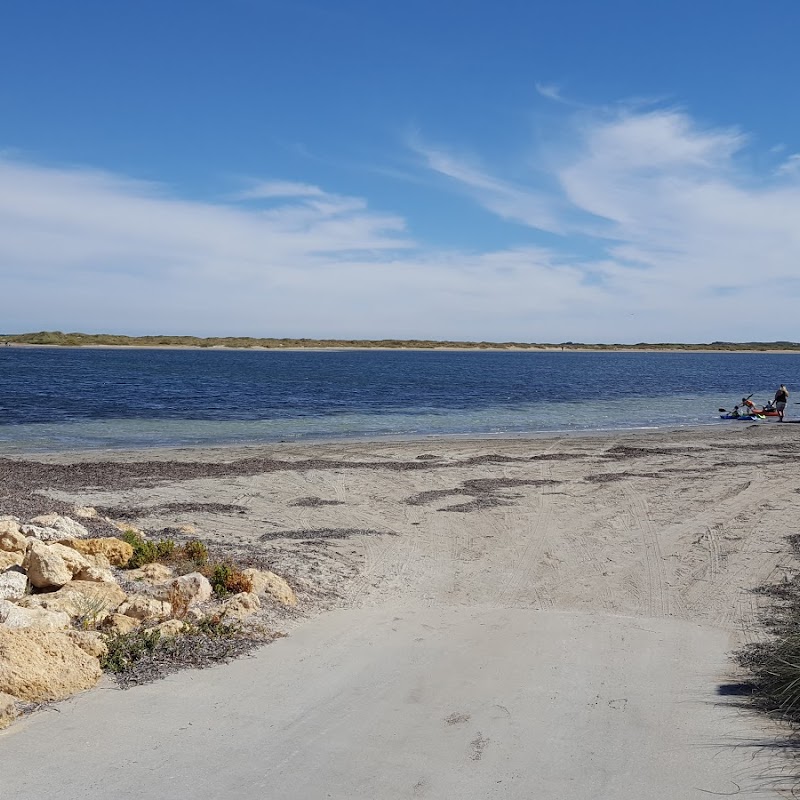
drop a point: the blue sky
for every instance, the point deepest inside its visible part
(572, 171)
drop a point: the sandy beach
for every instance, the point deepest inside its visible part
(544, 617)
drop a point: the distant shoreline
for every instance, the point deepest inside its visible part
(434, 349)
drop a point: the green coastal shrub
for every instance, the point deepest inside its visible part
(227, 579)
(125, 649)
(146, 552)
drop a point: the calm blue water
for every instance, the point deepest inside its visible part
(56, 399)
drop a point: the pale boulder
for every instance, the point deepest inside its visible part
(10, 559)
(39, 665)
(240, 606)
(188, 529)
(151, 573)
(96, 575)
(13, 584)
(126, 526)
(41, 534)
(45, 566)
(12, 540)
(143, 607)
(97, 560)
(8, 709)
(15, 617)
(115, 550)
(268, 583)
(72, 558)
(186, 590)
(120, 624)
(68, 527)
(170, 628)
(90, 642)
(85, 512)
(89, 600)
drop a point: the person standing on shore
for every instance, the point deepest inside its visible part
(781, 396)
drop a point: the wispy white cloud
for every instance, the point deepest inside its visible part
(665, 232)
(268, 190)
(509, 201)
(550, 91)
(695, 240)
(791, 166)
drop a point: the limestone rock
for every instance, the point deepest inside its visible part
(15, 617)
(12, 540)
(8, 709)
(115, 550)
(126, 526)
(40, 533)
(120, 624)
(89, 600)
(97, 560)
(68, 527)
(85, 512)
(39, 665)
(10, 559)
(46, 568)
(142, 606)
(186, 590)
(90, 642)
(13, 583)
(240, 606)
(170, 628)
(151, 573)
(268, 583)
(72, 558)
(96, 575)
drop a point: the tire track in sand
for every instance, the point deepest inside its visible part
(657, 596)
(529, 558)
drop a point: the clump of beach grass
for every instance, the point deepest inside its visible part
(774, 664)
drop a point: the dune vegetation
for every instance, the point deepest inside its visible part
(57, 338)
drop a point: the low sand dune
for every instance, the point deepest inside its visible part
(547, 617)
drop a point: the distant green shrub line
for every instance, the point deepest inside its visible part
(107, 339)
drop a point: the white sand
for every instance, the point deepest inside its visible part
(563, 636)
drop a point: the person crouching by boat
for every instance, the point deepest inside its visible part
(748, 406)
(781, 397)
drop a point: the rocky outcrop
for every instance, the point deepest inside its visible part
(39, 665)
(60, 601)
(268, 583)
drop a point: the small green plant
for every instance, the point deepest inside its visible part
(146, 552)
(88, 612)
(194, 550)
(227, 579)
(125, 649)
